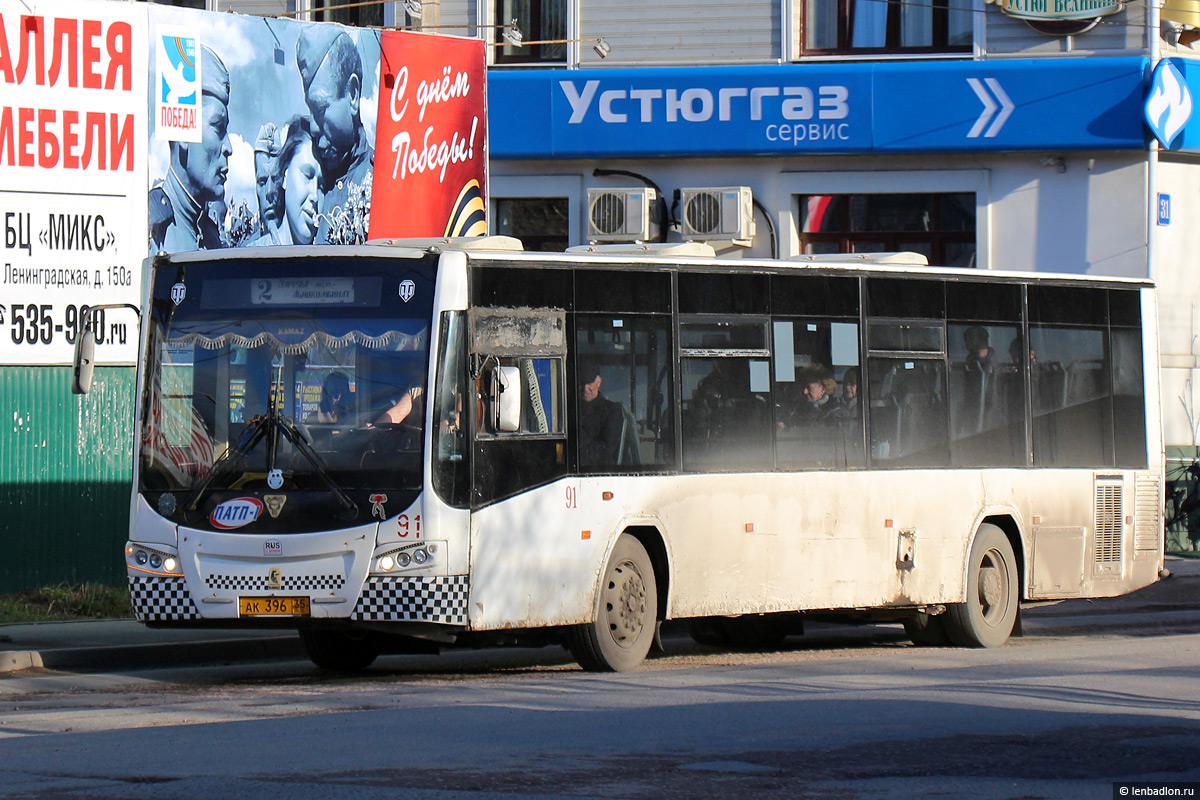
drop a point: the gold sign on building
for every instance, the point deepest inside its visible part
(1185, 12)
(1059, 17)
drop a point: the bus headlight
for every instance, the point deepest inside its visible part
(144, 558)
(411, 556)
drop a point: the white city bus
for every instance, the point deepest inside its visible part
(406, 446)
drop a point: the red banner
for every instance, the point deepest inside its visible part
(430, 174)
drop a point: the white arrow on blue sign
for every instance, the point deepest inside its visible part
(1005, 106)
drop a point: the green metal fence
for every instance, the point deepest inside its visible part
(65, 472)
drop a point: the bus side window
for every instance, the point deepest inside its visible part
(818, 421)
(908, 412)
(1072, 398)
(524, 396)
(623, 395)
(1072, 375)
(986, 395)
(451, 473)
(727, 417)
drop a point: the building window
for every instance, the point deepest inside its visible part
(887, 26)
(200, 4)
(940, 226)
(361, 16)
(538, 21)
(541, 223)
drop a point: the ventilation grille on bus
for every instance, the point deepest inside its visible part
(1108, 528)
(1147, 522)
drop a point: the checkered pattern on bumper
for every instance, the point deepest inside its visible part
(289, 583)
(434, 599)
(156, 599)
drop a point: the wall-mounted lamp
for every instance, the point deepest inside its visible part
(509, 26)
(1058, 162)
(512, 38)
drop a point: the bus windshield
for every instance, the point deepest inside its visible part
(297, 375)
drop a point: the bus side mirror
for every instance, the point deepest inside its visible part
(506, 399)
(85, 362)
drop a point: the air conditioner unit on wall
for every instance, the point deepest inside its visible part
(622, 215)
(720, 213)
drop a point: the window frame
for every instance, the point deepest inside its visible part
(793, 184)
(540, 187)
(940, 33)
(531, 55)
(850, 240)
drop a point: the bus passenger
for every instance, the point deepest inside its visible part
(978, 344)
(818, 395)
(335, 390)
(600, 421)
(848, 404)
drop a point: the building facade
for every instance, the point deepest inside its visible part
(961, 130)
(1008, 136)
(1021, 135)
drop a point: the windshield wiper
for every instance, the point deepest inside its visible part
(293, 435)
(270, 425)
(255, 430)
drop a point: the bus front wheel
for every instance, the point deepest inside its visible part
(626, 613)
(987, 617)
(340, 651)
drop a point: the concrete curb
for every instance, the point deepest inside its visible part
(99, 659)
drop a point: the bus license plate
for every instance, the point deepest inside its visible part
(273, 606)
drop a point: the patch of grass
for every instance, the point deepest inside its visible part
(65, 602)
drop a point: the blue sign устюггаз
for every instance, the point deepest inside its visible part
(967, 106)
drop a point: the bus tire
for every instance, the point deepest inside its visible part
(926, 630)
(626, 613)
(340, 651)
(987, 617)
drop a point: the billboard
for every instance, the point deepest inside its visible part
(72, 175)
(431, 175)
(262, 131)
(129, 129)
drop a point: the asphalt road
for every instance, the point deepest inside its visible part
(1093, 693)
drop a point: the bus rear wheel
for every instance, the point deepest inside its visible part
(989, 614)
(340, 651)
(626, 613)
